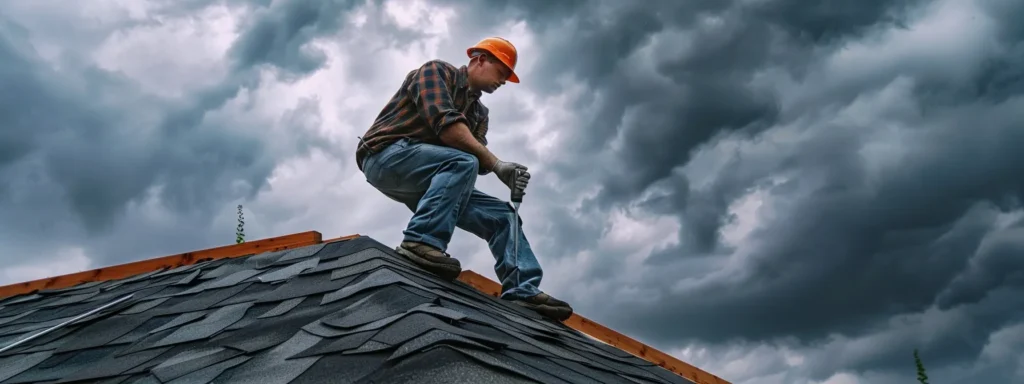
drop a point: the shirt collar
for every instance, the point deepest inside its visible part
(463, 83)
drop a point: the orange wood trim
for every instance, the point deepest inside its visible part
(609, 336)
(295, 240)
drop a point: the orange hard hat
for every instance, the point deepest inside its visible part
(501, 49)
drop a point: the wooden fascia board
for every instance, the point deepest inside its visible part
(609, 336)
(121, 271)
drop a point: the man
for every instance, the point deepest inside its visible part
(426, 149)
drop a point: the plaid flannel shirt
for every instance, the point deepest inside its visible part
(431, 98)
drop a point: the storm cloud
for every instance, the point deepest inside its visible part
(879, 141)
(82, 144)
(775, 191)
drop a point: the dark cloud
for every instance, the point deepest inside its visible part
(997, 264)
(832, 20)
(887, 181)
(104, 144)
(278, 35)
(891, 211)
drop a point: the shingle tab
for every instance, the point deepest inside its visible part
(189, 278)
(263, 260)
(289, 271)
(283, 307)
(345, 312)
(209, 326)
(180, 320)
(112, 367)
(233, 279)
(13, 365)
(190, 361)
(144, 306)
(304, 286)
(354, 368)
(209, 374)
(299, 253)
(388, 301)
(14, 317)
(444, 365)
(102, 332)
(275, 366)
(198, 302)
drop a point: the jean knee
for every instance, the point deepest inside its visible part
(467, 162)
(502, 215)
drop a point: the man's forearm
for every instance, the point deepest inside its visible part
(458, 136)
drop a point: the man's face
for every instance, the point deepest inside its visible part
(490, 74)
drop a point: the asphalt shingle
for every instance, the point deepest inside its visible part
(347, 312)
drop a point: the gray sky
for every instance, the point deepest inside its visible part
(774, 191)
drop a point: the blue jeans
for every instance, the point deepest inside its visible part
(437, 184)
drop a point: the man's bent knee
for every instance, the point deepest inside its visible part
(467, 161)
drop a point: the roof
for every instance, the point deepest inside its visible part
(296, 310)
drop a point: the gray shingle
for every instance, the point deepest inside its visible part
(11, 319)
(275, 366)
(209, 374)
(282, 308)
(304, 286)
(13, 365)
(430, 338)
(197, 302)
(388, 301)
(182, 319)
(175, 271)
(300, 253)
(189, 278)
(234, 278)
(76, 298)
(144, 306)
(289, 271)
(378, 278)
(101, 332)
(263, 260)
(209, 326)
(112, 367)
(190, 361)
(76, 287)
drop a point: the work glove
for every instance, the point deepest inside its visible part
(506, 172)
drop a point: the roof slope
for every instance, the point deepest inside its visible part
(350, 311)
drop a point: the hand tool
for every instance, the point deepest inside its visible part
(517, 198)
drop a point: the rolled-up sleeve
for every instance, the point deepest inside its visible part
(428, 89)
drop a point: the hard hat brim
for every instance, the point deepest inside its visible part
(512, 78)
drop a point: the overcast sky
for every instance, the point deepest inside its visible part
(777, 191)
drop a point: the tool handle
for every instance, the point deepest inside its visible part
(517, 194)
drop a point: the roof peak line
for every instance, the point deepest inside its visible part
(120, 271)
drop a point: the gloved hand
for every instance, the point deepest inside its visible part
(506, 172)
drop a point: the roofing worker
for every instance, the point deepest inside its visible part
(426, 149)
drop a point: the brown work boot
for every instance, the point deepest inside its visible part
(547, 306)
(431, 259)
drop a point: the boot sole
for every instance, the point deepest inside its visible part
(557, 313)
(448, 272)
